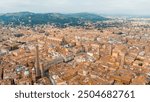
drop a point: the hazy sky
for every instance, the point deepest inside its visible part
(135, 7)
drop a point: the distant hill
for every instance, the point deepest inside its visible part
(87, 16)
(29, 18)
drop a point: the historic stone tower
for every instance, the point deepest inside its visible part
(37, 63)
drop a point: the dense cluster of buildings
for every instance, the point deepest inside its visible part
(47, 55)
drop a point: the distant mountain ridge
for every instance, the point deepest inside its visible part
(29, 18)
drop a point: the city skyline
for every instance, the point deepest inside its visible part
(108, 7)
